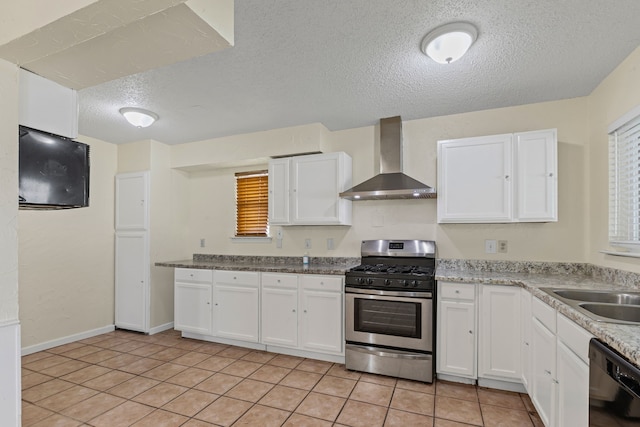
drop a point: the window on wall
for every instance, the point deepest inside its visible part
(252, 204)
(624, 181)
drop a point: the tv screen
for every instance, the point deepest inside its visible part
(53, 171)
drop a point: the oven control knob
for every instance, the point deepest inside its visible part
(387, 282)
(405, 283)
(414, 283)
(369, 281)
(360, 280)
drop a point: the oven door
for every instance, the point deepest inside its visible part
(390, 319)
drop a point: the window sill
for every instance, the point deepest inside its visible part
(621, 253)
(251, 239)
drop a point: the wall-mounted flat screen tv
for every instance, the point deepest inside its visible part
(53, 171)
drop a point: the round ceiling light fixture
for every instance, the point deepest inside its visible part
(449, 42)
(139, 117)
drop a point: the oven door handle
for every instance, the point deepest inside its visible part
(406, 354)
(407, 294)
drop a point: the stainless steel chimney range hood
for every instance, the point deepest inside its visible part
(390, 183)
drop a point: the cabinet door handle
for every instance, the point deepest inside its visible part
(208, 303)
(305, 311)
(551, 174)
(547, 372)
(457, 291)
(471, 332)
(555, 381)
(294, 310)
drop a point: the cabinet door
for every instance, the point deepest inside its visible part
(280, 316)
(132, 201)
(279, 191)
(236, 312)
(573, 389)
(321, 321)
(499, 340)
(193, 312)
(543, 371)
(48, 106)
(474, 179)
(132, 281)
(535, 160)
(456, 349)
(525, 327)
(316, 182)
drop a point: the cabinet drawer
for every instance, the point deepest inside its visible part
(274, 280)
(457, 291)
(324, 283)
(544, 313)
(574, 337)
(193, 275)
(240, 277)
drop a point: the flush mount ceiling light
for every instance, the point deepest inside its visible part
(139, 117)
(448, 43)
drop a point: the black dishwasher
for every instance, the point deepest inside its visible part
(614, 388)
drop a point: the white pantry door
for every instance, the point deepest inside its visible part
(132, 281)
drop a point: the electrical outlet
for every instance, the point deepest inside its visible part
(202, 243)
(307, 243)
(490, 246)
(279, 233)
(330, 243)
(503, 246)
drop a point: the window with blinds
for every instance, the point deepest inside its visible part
(624, 182)
(252, 204)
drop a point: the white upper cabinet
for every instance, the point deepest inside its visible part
(279, 191)
(474, 179)
(305, 190)
(498, 178)
(47, 106)
(132, 195)
(535, 159)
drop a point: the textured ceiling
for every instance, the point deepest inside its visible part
(346, 64)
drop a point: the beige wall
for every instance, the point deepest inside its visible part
(614, 97)
(67, 262)
(212, 192)
(168, 218)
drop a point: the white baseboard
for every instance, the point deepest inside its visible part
(456, 379)
(502, 385)
(161, 328)
(10, 378)
(66, 340)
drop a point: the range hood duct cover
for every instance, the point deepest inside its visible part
(390, 183)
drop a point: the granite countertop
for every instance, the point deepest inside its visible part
(622, 337)
(317, 265)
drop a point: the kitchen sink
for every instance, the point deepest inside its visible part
(610, 297)
(626, 313)
(602, 306)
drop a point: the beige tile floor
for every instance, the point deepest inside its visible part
(129, 379)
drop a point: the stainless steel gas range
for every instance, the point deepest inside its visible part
(390, 310)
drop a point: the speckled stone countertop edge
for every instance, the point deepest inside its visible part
(623, 338)
(260, 264)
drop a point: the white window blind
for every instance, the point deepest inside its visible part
(624, 185)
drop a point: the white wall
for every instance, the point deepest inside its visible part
(67, 260)
(212, 192)
(9, 327)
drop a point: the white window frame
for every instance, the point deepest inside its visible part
(624, 182)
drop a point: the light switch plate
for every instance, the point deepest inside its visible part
(490, 246)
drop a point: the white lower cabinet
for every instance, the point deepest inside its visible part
(302, 314)
(321, 320)
(236, 308)
(280, 309)
(193, 301)
(559, 368)
(456, 346)
(525, 338)
(499, 337)
(543, 371)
